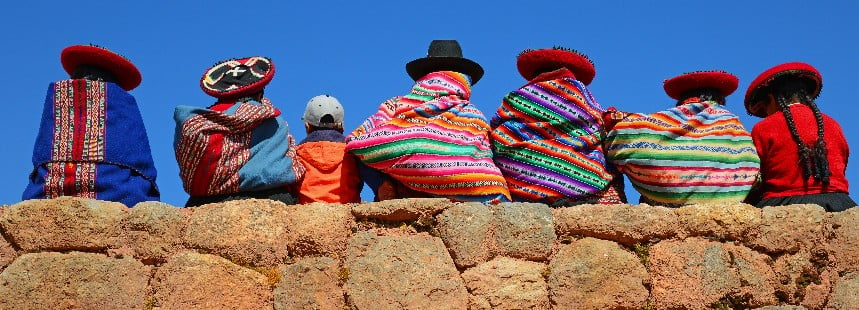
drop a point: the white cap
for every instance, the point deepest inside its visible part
(320, 106)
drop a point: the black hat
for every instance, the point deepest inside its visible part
(444, 55)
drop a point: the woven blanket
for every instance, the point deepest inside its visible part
(694, 153)
(92, 143)
(231, 148)
(547, 141)
(432, 140)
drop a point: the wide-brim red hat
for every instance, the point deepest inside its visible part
(533, 62)
(721, 81)
(796, 69)
(237, 78)
(127, 75)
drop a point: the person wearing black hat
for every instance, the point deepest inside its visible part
(238, 147)
(92, 142)
(431, 142)
(695, 152)
(803, 151)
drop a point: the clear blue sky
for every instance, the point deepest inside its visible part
(357, 51)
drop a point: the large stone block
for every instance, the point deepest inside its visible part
(789, 228)
(7, 250)
(200, 281)
(310, 283)
(252, 231)
(732, 221)
(74, 281)
(402, 210)
(524, 230)
(65, 223)
(624, 224)
(402, 272)
(843, 240)
(318, 229)
(700, 274)
(466, 229)
(506, 283)
(844, 295)
(596, 274)
(154, 231)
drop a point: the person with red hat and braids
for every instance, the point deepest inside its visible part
(92, 142)
(803, 151)
(695, 152)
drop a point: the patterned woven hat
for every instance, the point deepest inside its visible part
(236, 78)
(533, 62)
(444, 55)
(814, 81)
(127, 75)
(721, 81)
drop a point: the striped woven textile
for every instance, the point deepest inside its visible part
(433, 141)
(698, 152)
(547, 141)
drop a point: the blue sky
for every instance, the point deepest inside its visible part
(357, 51)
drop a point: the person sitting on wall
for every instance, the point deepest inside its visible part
(431, 142)
(332, 173)
(238, 147)
(803, 151)
(547, 135)
(92, 142)
(695, 152)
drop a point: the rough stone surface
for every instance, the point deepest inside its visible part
(318, 229)
(624, 224)
(596, 274)
(252, 231)
(699, 274)
(154, 231)
(64, 224)
(524, 230)
(401, 210)
(789, 228)
(200, 281)
(311, 283)
(7, 250)
(418, 273)
(844, 240)
(731, 221)
(844, 295)
(466, 230)
(506, 283)
(781, 308)
(73, 281)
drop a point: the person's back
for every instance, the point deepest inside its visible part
(331, 173)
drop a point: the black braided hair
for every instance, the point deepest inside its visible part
(813, 160)
(93, 73)
(703, 94)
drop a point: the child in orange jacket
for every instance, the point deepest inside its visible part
(332, 173)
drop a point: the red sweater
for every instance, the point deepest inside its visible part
(780, 169)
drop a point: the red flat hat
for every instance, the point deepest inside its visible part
(724, 82)
(236, 78)
(533, 62)
(798, 69)
(127, 75)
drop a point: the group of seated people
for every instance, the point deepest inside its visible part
(550, 141)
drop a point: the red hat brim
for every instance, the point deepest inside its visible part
(723, 82)
(797, 69)
(219, 82)
(127, 75)
(532, 63)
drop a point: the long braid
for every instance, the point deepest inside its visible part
(821, 160)
(804, 151)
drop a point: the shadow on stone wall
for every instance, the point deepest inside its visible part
(425, 254)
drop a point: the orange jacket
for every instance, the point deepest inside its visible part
(331, 176)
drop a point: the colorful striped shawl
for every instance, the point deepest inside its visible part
(694, 153)
(432, 140)
(547, 141)
(234, 148)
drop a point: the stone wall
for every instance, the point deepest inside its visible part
(425, 254)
